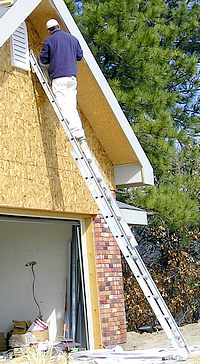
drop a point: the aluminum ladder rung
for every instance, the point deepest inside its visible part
(144, 276)
(119, 218)
(156, 297)
(114, 219)
(131, 257)
(89, 160)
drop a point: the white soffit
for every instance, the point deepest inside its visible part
(132, 215)
(147, 170)
(128, 175)
(15, 16)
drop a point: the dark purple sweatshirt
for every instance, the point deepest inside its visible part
(61, 51)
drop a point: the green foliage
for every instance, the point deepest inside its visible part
(173, 207)
(149, 53)
(142, 48)
(71, 6)
(174, 201)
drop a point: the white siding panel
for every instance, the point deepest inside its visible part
(19, 48)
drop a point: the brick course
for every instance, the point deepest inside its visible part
(110, 282)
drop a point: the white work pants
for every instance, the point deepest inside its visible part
(64, 89)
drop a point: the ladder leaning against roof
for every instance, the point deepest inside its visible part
(115, 221)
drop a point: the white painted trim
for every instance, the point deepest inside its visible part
(15, 16)
(130, 219)
(134, 217)
(108, 93)
(127, 175)
(32, 215)
(87, 286)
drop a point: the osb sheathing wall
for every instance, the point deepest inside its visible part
(36, 167)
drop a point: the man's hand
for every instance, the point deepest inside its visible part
(42, 65)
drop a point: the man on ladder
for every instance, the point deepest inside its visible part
(60, 52)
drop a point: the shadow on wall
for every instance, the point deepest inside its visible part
(48, 133)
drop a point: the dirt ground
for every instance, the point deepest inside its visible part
(136, 341)
(191, 334)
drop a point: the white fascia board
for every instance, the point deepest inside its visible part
(15, 16)
(87, 286)
(134, 217)
(127, 175)
(147, 170)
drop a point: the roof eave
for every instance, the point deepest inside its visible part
(133, 215)
(17, 13)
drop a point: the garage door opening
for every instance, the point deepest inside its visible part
(55, 246)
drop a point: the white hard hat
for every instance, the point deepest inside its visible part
(51, 23)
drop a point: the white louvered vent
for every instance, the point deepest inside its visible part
(19, 48)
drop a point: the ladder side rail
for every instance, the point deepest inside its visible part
(153, 287)
(160, 307)
(149, 291)
(137, 271)
(160, 310)
(148, 286)
(155, 300)
(155, 307)
(150, 282)
(109, 205)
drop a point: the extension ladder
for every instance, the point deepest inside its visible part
(115, 221)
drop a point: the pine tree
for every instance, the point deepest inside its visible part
(149, 53)
(140, 47)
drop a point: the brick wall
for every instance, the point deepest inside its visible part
(110, 281)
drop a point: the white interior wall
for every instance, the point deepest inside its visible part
(45, 243)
